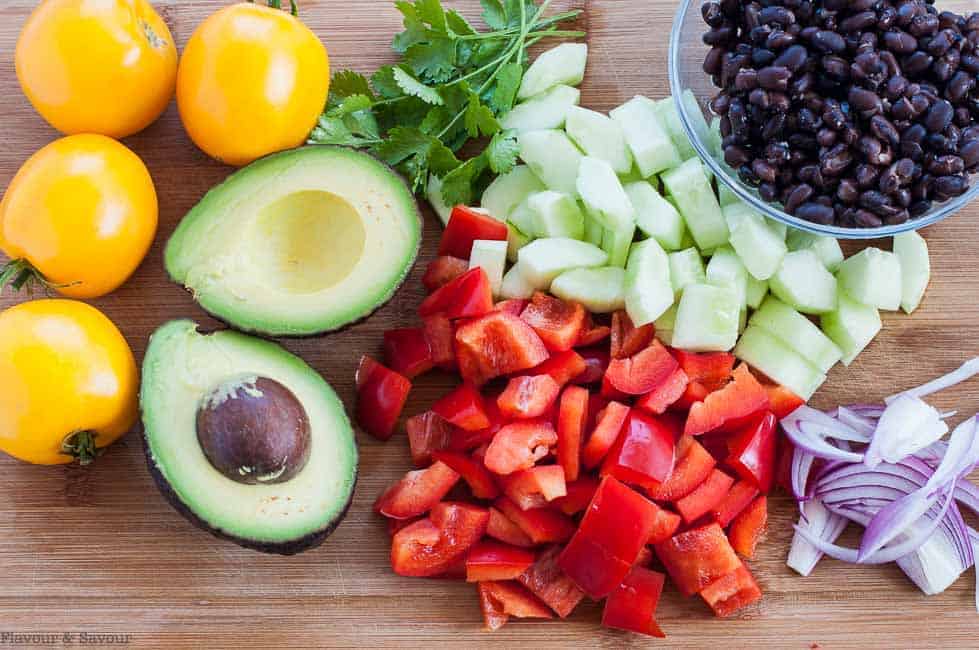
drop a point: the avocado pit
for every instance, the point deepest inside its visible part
(254, 431)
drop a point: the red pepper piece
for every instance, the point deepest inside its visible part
(697, 557)
(752, 454)
(473, 472)
(394, 525)
(665, 395)
(737, 499)
(748, 527)
(443, 270)
(730, 407)
(619, 520)
(627, 339)
(591, 567)
(784, 450)
(579, 495)
(645, 559)
(466, 226)
(502, 599)
(732, 592)
(782, 400)
(644, 452)
(462, 440)
(468, 296)
(496, 561)
(694, 464)
(528, 396)
(381, 395)
(572, 419)
(417, 493)
(535, 487)
(514, 306)
(497, 344)
(562, 367)
(504, 530)
(644, 371)
(407, 351)
(707, 495)
(605, 433)
(592, 334)
(430, 546)
(549, 583)
(558, 323)
(463, 407)
(542, 525)
(610, 392)
(519, 446)
(440, 335)
(664, 526)
(694, 392)
(427, 432)
(712, 369)
(596, 364)
(632, 605)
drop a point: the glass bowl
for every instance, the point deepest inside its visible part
(686, 56)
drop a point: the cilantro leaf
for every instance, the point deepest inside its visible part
(507, 84)
(434, 60)
(403, 142)
(384, 83)
(431, 12)
(347, 82)
(334, 130)
(502, 152)
(415, 88)
(494, 14)
(457, 185)
(479, 119)
(457, 24)
(351, 104)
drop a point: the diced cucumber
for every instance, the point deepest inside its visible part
(688, 241)
(632, 176)
(669, 117)
(798, 332)
(515, 284)
(515, 241)
(760, 349)
(756, 292)
(697, 120)
(433, 192)
(655, 216)
(716, 140)
(556, 215)
(599, 136)
(509, 190)
(725, 269)
(647, 138)
(706, 319)
(564, 64)
(804, 283)
(616, 243)
(686, 268)
(726, 196)
(648, 290)
(552, 157)
(522, 217)
(912, 250)
(826, 248)
(760, 248)
(542, 260)
(594, 232)
(599, 290)
(491, 256)
(872, 277)
(548, 110)
(852, 326)
(695, 199)
(603, 195)
(664, 326)
(778, 227)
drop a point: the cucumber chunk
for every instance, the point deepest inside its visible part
(603, 195)
(632, 176)
(826, 248)
(716, 140)
(552, 157)
(491, 256)
(912, 250)
(686, 268)
(664, 326)
(433, 192)
(556, 215)
(542, 260)
(508, 191)
(798, 332)
(760, 247)
(756, 292)
(548, 110)
(523, 218)
(695, 199)
(697, 120)
(760, 349)
(872, 277)
(852, 326)
(515, 285)
(726, 196)
(726, 270)
(655, 216)
(564, 64)
(669, 117)
(648, 140)
(648, 290)
(804, 283)
(594, 232)
(599, 136)
(515, 241)
(601, 290)
(706, 319)
(616, 243)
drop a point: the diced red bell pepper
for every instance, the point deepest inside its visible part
(664, 526)
(427, 432)
(605, 433)
(748, 527)
(497, 344)
(644, 452)
(466, 226)
(417, 493)
(528, 396)
(394, 525)
(694, 392)
(473, 472)
(697, 557)
(592, 334)
(572, 419)
(753, 452)
(535, 487)
(784, 450)
(462, 440)
(407, 351)
(504, 530)
(645, 559)
(596, 407)
(596, 363)
(694, 464)
(562, 367)
(732, 592)
(549, 583)
(558, 323)
(468, 296)
(430, 546)
(591, 567)
(737, 499)
(619, 519)
(463, 407)
(782, 400)
(712, 369)
(443, 270)
(665, 395)
(455, 571)
(519, 446)
(381, 395)
(730, 407)
(440, 335)
(513, 306)
(610, 392)
(542, 525)
(496, 561)
(502, 599)
(627, 339)
(707, 495)
(632, 605)
(642, 372)
(579, 495)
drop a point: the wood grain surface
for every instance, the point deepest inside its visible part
(98, 551)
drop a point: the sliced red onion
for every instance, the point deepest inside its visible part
(826, 426)
(825, 525)
(968, 370)
(861, 423)
(907, 426)
(895, 519)
(801, 465)
(960, 457)
(809, 435)
(974, 539)
(967, 493)
(872, 411)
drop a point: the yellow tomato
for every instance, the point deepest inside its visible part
(97, 66)
(82, 212)
(69, 382)
(252, 81)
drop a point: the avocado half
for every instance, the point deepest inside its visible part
(298, 243)
(245, 439)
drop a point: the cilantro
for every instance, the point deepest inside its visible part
(452, 84)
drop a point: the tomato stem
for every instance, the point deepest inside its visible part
(21, 274)
(81, 446)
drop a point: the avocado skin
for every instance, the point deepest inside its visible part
(292, 547)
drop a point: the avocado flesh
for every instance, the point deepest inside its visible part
(298, 243)
(180, 368)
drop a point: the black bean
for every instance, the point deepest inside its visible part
(859, 21)
(895, 87)
(900, 42)
(713, 16)
(940, 43)
(762, 57)
(802, 84)
(774, 77)
(835, 161)
(886, 17)
(917, 63)
(780, 101)
(748, 176)
(811, 175)
(919, 208)
(773, 127)
(902, 197)
(828, 41)
(719, 35)
(939, 116)
(779, 40)
(815, 213)
(764, 170)
(866, 176)
(848, 191)
(797, 196)
(970, 63)
(946, 165)
(970, 154)
(826, 137)
(714, 60)
(959, 86)
(746, 79)
(868, 103)
(902, 109)
(776, 14)
(768, 191)
(792, 58)
(836, 67)
(881, 127)
(870, 147)
(919, 104)
(777, 153)
(951, 185)
(963, 117)
(897, 217)
(867, 219)
(924, 25)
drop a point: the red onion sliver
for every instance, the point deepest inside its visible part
(966, 371)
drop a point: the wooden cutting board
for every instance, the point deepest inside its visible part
(98, 551)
